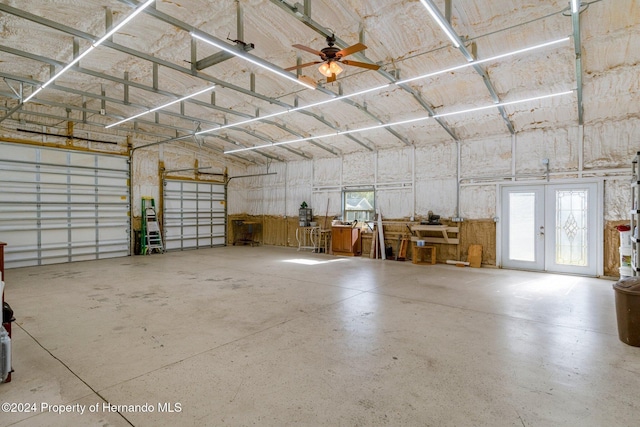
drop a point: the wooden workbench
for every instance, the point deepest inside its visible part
(435, 234)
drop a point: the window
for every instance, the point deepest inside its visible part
(358, 205)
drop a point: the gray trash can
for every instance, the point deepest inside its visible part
(628, 310)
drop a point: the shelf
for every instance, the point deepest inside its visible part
(435, 234)
(634, 216)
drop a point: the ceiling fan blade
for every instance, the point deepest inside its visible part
(308, 49)
(296, 67)
(361, 64)
(332, 78)
(351, 49)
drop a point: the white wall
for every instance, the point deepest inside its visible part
(412, 181)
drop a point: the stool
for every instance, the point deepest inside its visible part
(419, 253)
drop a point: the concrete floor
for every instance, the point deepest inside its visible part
(274, 337)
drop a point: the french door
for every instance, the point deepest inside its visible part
(551, 228)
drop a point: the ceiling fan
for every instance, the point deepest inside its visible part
(331, 56)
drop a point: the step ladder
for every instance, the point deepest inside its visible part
(151, 235)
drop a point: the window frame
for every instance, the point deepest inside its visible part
(350, 215)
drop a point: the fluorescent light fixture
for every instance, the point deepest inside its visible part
(502, 104)
(291, 110)
(440, 21)
(162, 106)
(93, 46)
(248, 58)
(453, 113)
(377, 88)
(481, 61)
(575, 6)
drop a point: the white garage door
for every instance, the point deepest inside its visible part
(61, 206)
(194, 214)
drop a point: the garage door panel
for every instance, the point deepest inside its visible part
(59, 178)
(63, 214)
(193, 214)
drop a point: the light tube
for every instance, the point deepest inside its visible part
(160, 107)
(441, 23)
(253, 61)
(383, 125)
(481, 61)
(502, 104)
(291, 110)
(575, 6)
(90, 48)
(499, 104)
(424, 76)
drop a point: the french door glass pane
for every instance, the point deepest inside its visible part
(571, 227)
(522, 230)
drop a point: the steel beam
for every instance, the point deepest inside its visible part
(485, 78)
(577, 43)
(306, 19)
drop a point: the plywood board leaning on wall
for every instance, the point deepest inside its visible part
(479, 232)
(475, 256)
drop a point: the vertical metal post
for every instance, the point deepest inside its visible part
(239, 22)
(126, 88)
(96, 211)
(194, 55)
(513, 157)
(447, 10)
(458, 177)
(38, 207)
(103, 102)
(155, 75)
(108, 19)
(69, 127)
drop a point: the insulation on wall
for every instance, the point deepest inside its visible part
(395, 165)
(358, 169)
(299, 179)
(146, 178)
(559, 146)
(486, 157)
(617, 199)
(436, 161)
(478, 201)
(395, 203)
(611, 144)
(437, 195)
(274, 189)
(327, 172)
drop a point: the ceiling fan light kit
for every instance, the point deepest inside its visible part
(330, 68)
(330, 57)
